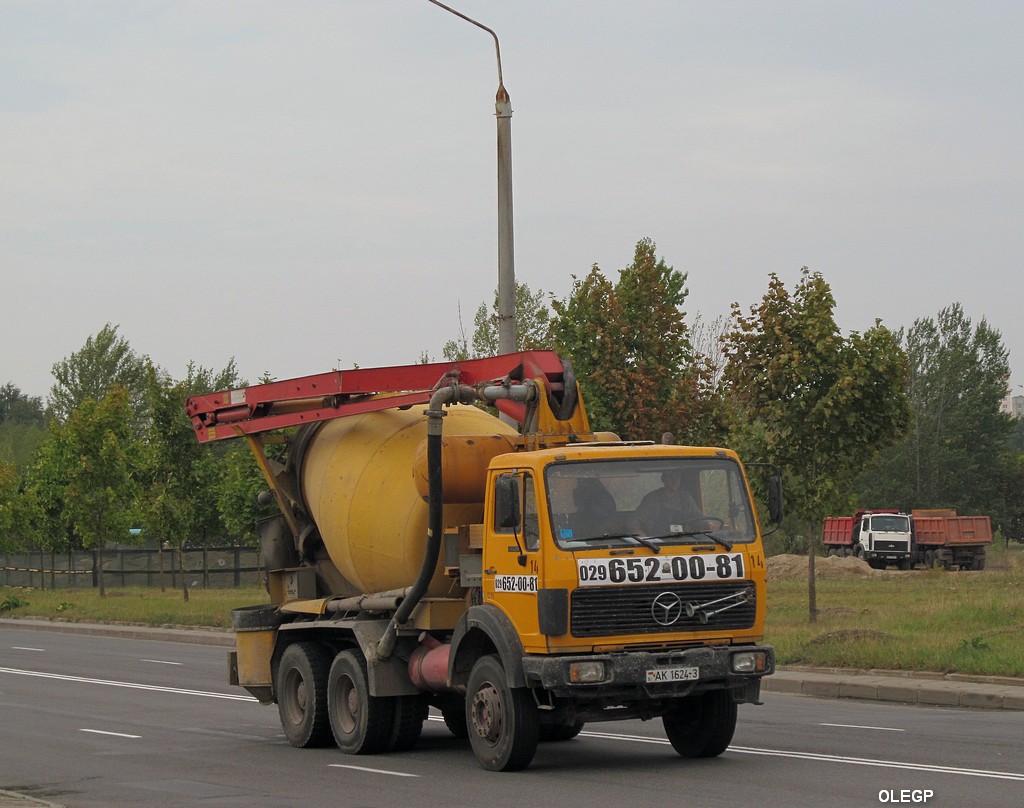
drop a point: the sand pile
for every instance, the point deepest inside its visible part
(787, 567)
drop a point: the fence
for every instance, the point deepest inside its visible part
(208, 567)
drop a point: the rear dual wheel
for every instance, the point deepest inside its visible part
(301, 685)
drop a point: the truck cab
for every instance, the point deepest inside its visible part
(883, 538)
(611, 605)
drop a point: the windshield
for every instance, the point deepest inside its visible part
(890, 523)
(653, 502)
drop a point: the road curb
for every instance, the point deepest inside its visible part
(903, 687)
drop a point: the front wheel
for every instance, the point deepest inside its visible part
(501, 720)
(703, 725)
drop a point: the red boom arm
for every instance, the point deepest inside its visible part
(265, 407)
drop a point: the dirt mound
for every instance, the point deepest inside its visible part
(789, 567)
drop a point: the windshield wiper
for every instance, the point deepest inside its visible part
(685, 533)
(644, 540)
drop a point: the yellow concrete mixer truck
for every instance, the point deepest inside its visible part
(522, 582)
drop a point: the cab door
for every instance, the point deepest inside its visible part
(512, 553)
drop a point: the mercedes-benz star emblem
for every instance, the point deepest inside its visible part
(666, 608)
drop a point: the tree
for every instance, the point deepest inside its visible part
(179, 475)
(958, 375)
(532, 316)
(819, 405)
(106, 360)
(22, 425)
(630, 347)
(91, 458)
(20, 518)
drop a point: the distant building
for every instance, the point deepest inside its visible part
(1014, 405)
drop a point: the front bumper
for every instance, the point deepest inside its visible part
(626, 673)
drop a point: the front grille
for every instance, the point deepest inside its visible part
(614, 610)
(890, 546)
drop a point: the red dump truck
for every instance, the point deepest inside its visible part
(932, 538)
(943, 539)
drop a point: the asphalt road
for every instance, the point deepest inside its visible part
(104, 721)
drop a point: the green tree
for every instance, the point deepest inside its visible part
(105, 361)
(91, 459)
(22, 426)
(951, 456)
(819, 405)
(532, 317)
(631, 349)
(20, 517)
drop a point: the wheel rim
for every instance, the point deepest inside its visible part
(348, 704)
(486, 713)
(295, 696)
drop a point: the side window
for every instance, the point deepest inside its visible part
(516, 509)
(531, 530)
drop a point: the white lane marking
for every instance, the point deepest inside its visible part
(104, 732)
(161, 662)
(373, 771)
(25, 648)
(130, 685)
(860, 726)
(884, 764)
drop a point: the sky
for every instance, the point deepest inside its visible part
(306, 185)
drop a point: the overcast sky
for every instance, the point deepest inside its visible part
(307, 184)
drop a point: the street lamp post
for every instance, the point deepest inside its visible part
(506, 252)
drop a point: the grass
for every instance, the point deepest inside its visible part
(965, 622)
(925, 620)
(134, 605)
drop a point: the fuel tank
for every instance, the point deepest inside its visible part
(360, 481)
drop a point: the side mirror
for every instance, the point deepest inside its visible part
(506, 502)
(775, 508)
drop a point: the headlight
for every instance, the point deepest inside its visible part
(586, 673)
(749, 662)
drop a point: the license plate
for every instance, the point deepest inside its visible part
(672, 675)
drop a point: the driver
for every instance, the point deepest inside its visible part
(669, 509)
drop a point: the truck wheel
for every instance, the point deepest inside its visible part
(702, 726)
(302, 694)
(858, 550)
(560, 732)
(362, 724)
(929, 559)
(501, 720)
(410, 713)
(453, 710)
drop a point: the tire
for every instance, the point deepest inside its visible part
(702, 726)
(410, 713)
(301, 685)
(858, 550)
(362, 724)
(502, 721)
(453, 711)
(560, 732)
(929, 559)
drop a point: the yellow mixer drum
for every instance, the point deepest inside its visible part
(358, 484)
